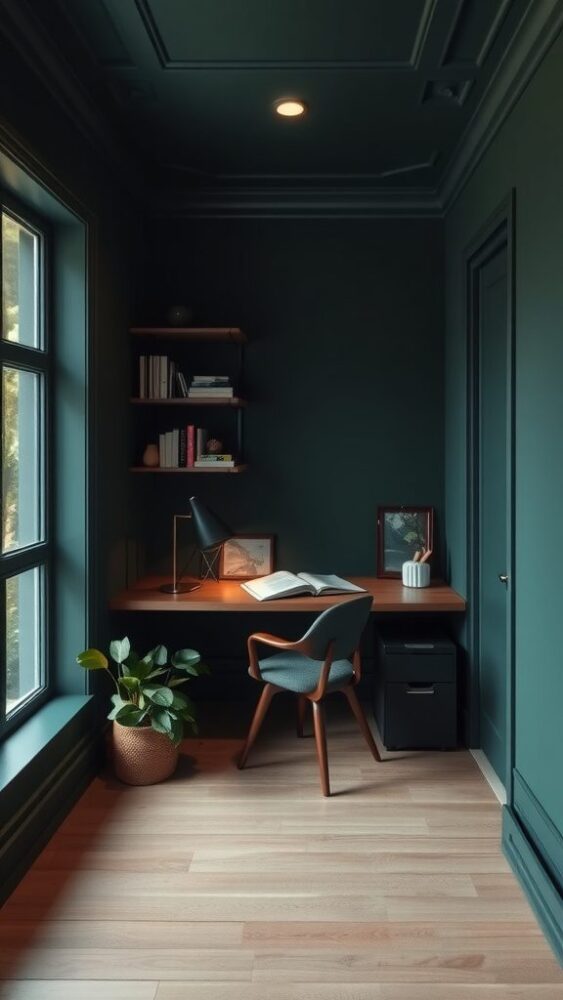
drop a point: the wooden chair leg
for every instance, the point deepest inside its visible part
(259, 715)
(362, 721)
(320, 740)
(301, 714)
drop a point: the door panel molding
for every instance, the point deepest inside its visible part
(497, 233)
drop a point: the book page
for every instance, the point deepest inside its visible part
(275, 585)
(330, 583)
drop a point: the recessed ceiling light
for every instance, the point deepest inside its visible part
(290, 107)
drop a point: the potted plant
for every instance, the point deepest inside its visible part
(149, 714)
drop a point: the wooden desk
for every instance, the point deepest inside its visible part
(228, 595)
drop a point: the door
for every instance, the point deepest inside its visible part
(491, 515)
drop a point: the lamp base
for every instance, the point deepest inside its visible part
(179, 588)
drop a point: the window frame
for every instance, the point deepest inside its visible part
(36, 360)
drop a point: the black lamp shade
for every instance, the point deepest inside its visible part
(210, 530)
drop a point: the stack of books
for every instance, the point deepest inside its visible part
(159, 378)
(211, 387)
(184, 448)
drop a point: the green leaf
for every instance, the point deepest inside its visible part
(139, 669)
(177, 731)
(118, 704)
(180, 700)
(156, 657)
(130, 683)
(155, 673)
(176, 681)
(130, 715)
(128, 665)
(184, 658)
(159, 695)
(161, 721)
(92, 659)
(188, 668)
(119, 649)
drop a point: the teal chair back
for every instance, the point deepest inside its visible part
(341, 625)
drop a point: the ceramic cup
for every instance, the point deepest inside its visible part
(416, 574)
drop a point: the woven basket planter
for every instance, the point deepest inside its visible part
(141, 756)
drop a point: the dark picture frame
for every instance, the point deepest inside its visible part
(246, 556)
(401, 532)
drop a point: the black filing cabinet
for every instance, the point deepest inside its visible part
(416, 690)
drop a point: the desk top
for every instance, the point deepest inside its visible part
(228, 595)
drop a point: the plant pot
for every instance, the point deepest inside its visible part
(142, 756)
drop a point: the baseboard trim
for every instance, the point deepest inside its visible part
(26, 833)
(490, 775)
(540, 830)
(541, 892)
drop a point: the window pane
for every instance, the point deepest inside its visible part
(20, 283)
(22, 420)
(23, 631)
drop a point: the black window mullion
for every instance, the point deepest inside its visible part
(38, 556)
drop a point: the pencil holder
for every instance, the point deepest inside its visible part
(416, 574)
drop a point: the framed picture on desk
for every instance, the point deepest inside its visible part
(401, 533)
(247, 556)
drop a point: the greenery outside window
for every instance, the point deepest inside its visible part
(25, 387)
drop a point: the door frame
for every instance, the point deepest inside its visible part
(498, 231)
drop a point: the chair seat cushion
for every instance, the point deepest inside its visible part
(299, 673)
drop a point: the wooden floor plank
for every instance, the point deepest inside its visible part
(229, 885)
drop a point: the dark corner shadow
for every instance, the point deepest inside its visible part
(187, 767)
(54, 868)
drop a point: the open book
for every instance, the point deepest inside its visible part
(284, 584)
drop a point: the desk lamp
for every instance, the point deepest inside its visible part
(210, 532)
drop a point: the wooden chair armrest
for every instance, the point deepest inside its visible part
(272, 640)
(267, 640)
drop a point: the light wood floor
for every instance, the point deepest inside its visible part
(228, 885)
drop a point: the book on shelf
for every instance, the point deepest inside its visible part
(159, 378)
(285, 584)
(200, 442)
(224, 457)
(181, 385)
(190, 446)
(212, 391)
(211, 379)
(202, 463)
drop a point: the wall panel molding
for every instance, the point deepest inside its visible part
(540, 890)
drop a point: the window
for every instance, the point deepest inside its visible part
(24, 467)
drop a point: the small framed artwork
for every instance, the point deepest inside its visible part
(401, 533)
(247, 556)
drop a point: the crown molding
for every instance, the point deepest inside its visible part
(29, 36)
(296, 203)
(539, 27)
(167, 63)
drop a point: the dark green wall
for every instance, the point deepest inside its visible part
(527, 155)
(74, 167)
(52, 756)
(344, 375)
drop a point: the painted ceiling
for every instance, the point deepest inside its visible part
(390, 85)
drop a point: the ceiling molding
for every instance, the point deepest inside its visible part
(539, 27)
(284, 203)
(28, 35)
(291, 180)
(167, 63)
(449, 61)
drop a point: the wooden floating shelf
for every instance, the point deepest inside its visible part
(214, 471)
(225, 334)
(234, 401)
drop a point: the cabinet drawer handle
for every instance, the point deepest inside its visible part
(419, 645)
(429, 689)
